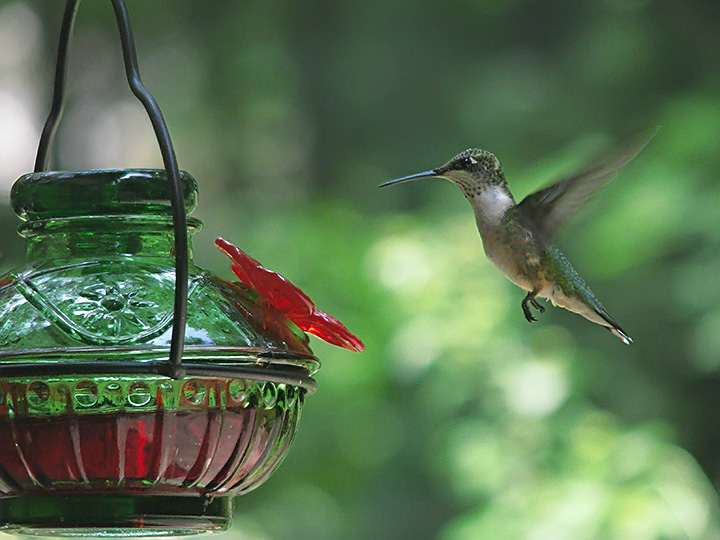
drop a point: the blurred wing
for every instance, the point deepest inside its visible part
(550, 207)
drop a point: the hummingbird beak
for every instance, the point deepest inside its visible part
(426, 174)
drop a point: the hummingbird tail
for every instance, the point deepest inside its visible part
(627, 340)
(614, 327)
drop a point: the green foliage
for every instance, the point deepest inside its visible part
(461, 420)
(462, 413)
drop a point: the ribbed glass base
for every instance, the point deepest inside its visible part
(112, 515)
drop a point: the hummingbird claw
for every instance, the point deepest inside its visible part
(527, 312)
(530, 299)
(537, 305)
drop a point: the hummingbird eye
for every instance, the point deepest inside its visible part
(466, 163)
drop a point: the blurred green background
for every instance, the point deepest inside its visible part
(460, 420)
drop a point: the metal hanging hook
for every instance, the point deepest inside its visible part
(174, 367)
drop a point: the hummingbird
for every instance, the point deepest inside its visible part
(518, 237)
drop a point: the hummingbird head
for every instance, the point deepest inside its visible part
(472, 171)
(479, 175)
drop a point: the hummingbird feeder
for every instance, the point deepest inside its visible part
(124, 412)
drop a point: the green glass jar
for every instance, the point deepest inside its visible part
(94, 439)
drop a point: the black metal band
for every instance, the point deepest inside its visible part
(174, 367)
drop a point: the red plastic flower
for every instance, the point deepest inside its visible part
(288, 299)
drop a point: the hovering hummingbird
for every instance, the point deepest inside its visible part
(518, 237)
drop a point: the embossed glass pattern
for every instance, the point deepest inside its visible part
(153, 455)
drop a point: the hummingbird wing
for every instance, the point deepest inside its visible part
(550, 207)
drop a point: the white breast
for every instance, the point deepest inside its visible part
(491, 204)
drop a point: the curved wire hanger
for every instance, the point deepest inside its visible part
(173, 368)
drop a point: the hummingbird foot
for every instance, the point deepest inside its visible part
(527, 302)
